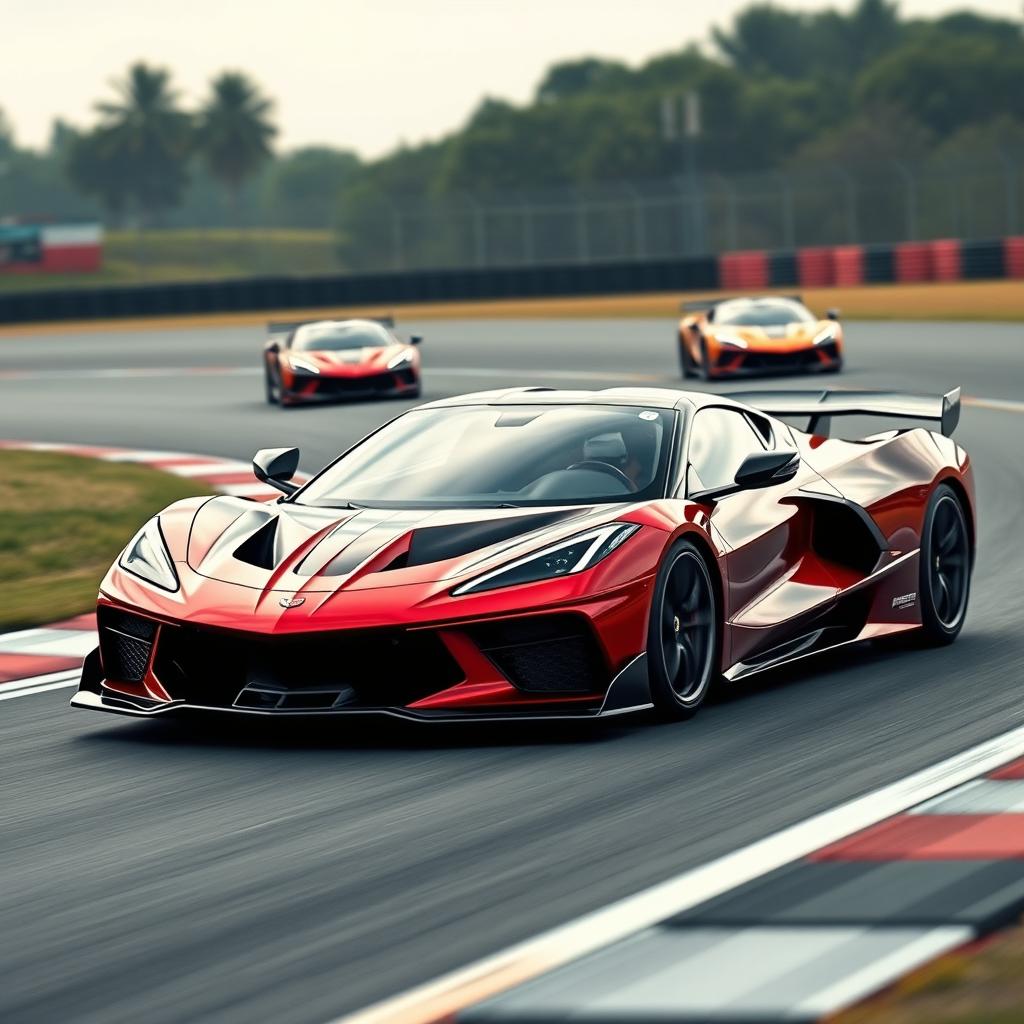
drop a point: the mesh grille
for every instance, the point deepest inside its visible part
(124, 658)
(125, 643)
(545, 654)
(125, 622)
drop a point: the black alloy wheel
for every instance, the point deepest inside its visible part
(945, 567)
(683, 635)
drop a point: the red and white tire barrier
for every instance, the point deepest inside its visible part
(40, 656)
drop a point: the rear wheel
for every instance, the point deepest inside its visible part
(683, 636)
(945, 567)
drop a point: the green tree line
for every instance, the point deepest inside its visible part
(780, 89)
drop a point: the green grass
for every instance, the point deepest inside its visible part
(187, 255)
(981, 986)
(63, 520)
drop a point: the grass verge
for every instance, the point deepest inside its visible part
(63, 520)
(983, 985)
(151, 257)
(949, 301)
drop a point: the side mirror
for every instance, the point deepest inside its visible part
(416, 339)
(276, 466)
(832, 314)
(762, 469)
(766, 468)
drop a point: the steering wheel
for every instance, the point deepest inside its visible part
(604, 467)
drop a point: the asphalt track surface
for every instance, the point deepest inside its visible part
(151, 872)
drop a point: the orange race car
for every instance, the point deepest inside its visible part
(761, 335)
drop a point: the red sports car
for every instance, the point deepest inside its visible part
(329, 360)
(532, 552)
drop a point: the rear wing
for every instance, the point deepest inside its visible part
(277, 329)
(821, 406)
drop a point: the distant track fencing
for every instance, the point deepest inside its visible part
(749, 270)
(817, 204)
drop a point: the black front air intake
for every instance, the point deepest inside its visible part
(371, 668)
(126, 641)
(545, 653)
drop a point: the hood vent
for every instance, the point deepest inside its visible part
(260, 548)
(438, 543)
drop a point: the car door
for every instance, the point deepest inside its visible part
(772, 577)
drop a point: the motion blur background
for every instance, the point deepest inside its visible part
(356, 137)
(155, 875)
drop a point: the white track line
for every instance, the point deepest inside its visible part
(40, 684)
(468, 985)
(998, 404)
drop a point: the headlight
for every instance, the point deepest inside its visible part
(148, 558)
(825, 334)
(731, 340)
(561, 559)
(303, 367)
(400, 360)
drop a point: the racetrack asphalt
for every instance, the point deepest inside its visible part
(260, 873)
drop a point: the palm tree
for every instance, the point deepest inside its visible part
(235, 131)
(147, 137)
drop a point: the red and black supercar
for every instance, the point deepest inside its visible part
(331, 360)
(531, 552)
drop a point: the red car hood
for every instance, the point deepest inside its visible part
(298, 548)
(288, 568)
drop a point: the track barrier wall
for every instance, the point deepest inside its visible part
(747, 271)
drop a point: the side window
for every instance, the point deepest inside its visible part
(720, 439)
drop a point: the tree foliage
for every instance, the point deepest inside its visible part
(779, 88)
(234, 131)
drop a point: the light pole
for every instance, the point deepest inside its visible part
(681, 121)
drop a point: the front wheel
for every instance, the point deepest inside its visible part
(684, 633)
(686, 367)
(945, 581)
(270, 387)
(705, 361)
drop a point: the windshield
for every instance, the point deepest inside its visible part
(763, 313)
(338, 337)
(503, 456)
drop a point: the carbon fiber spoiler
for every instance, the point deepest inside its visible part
(821, 406)
(276, 328)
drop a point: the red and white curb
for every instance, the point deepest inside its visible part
(35, 660)
(794, 927)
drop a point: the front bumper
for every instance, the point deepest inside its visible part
(548, 665)
(744, 362)
(389, 384)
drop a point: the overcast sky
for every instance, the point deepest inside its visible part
(354, 73)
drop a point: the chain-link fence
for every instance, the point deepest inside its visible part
(879, 201)
(886, 200)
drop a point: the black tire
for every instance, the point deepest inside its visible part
(271, 390)
(945, 567)
(705, 361)
(683, 634)
(686, 367)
